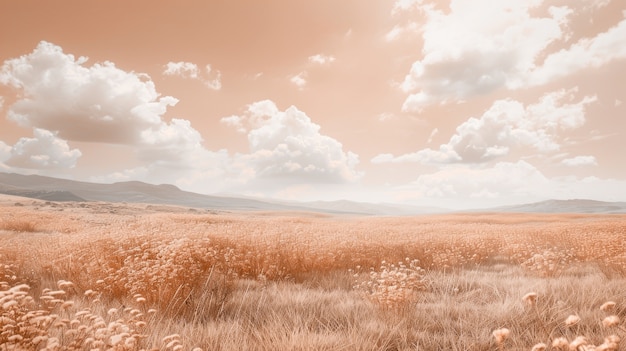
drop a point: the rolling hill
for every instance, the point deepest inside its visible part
(56, 189)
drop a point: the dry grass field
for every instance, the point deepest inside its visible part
(102, 276)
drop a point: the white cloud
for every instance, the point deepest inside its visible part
(506, 125)
(100, 103)
(405, 5)
(321, 59)
(288, 146)
(480, 46)
(5, 151)
(596, 4)
(386, 116)
(1, 102)
(432, 135)
(64, 99)
(299, 79)
(170, 141)
(580, 161)
(182, 69)
(586, 53)
(504, 180)
(234, 121)
(506, 183)
(465, 55)
(399, 30)
(44, 151)
(191, 71)
(198, 170)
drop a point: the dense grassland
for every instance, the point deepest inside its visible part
(83, 276)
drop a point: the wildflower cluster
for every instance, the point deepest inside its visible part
(393, 285)
(52, 323)
(549, 262)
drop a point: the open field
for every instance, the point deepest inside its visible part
(82, 276)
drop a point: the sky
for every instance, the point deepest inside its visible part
(452, 103)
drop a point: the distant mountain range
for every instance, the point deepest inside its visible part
(55, 189)
(566, 206)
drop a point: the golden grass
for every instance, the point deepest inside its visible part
(18, 225)
(126, 277)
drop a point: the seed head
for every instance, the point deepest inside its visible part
(611, 343)
(572, 320)
(171, 337)
(579, 341)
(608, 306)
(612, 339)
(539, 347)
(560, 343)
(501, 335)
(610, 321)
(530, 299)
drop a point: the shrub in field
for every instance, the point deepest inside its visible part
(169, 273)
(393, 285)
(549, 262)
(18, 225)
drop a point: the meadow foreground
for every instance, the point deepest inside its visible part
(83, 276)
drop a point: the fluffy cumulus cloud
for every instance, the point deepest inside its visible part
(44, 151)
(506, 125)
(586, 53)
(580, 161)
(288, 146)
(100, 103)
(64, 99)
(464, 55)
(190, 70)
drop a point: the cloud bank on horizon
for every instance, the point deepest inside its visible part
(537, 123)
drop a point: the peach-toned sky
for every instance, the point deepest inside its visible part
(455, 103)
